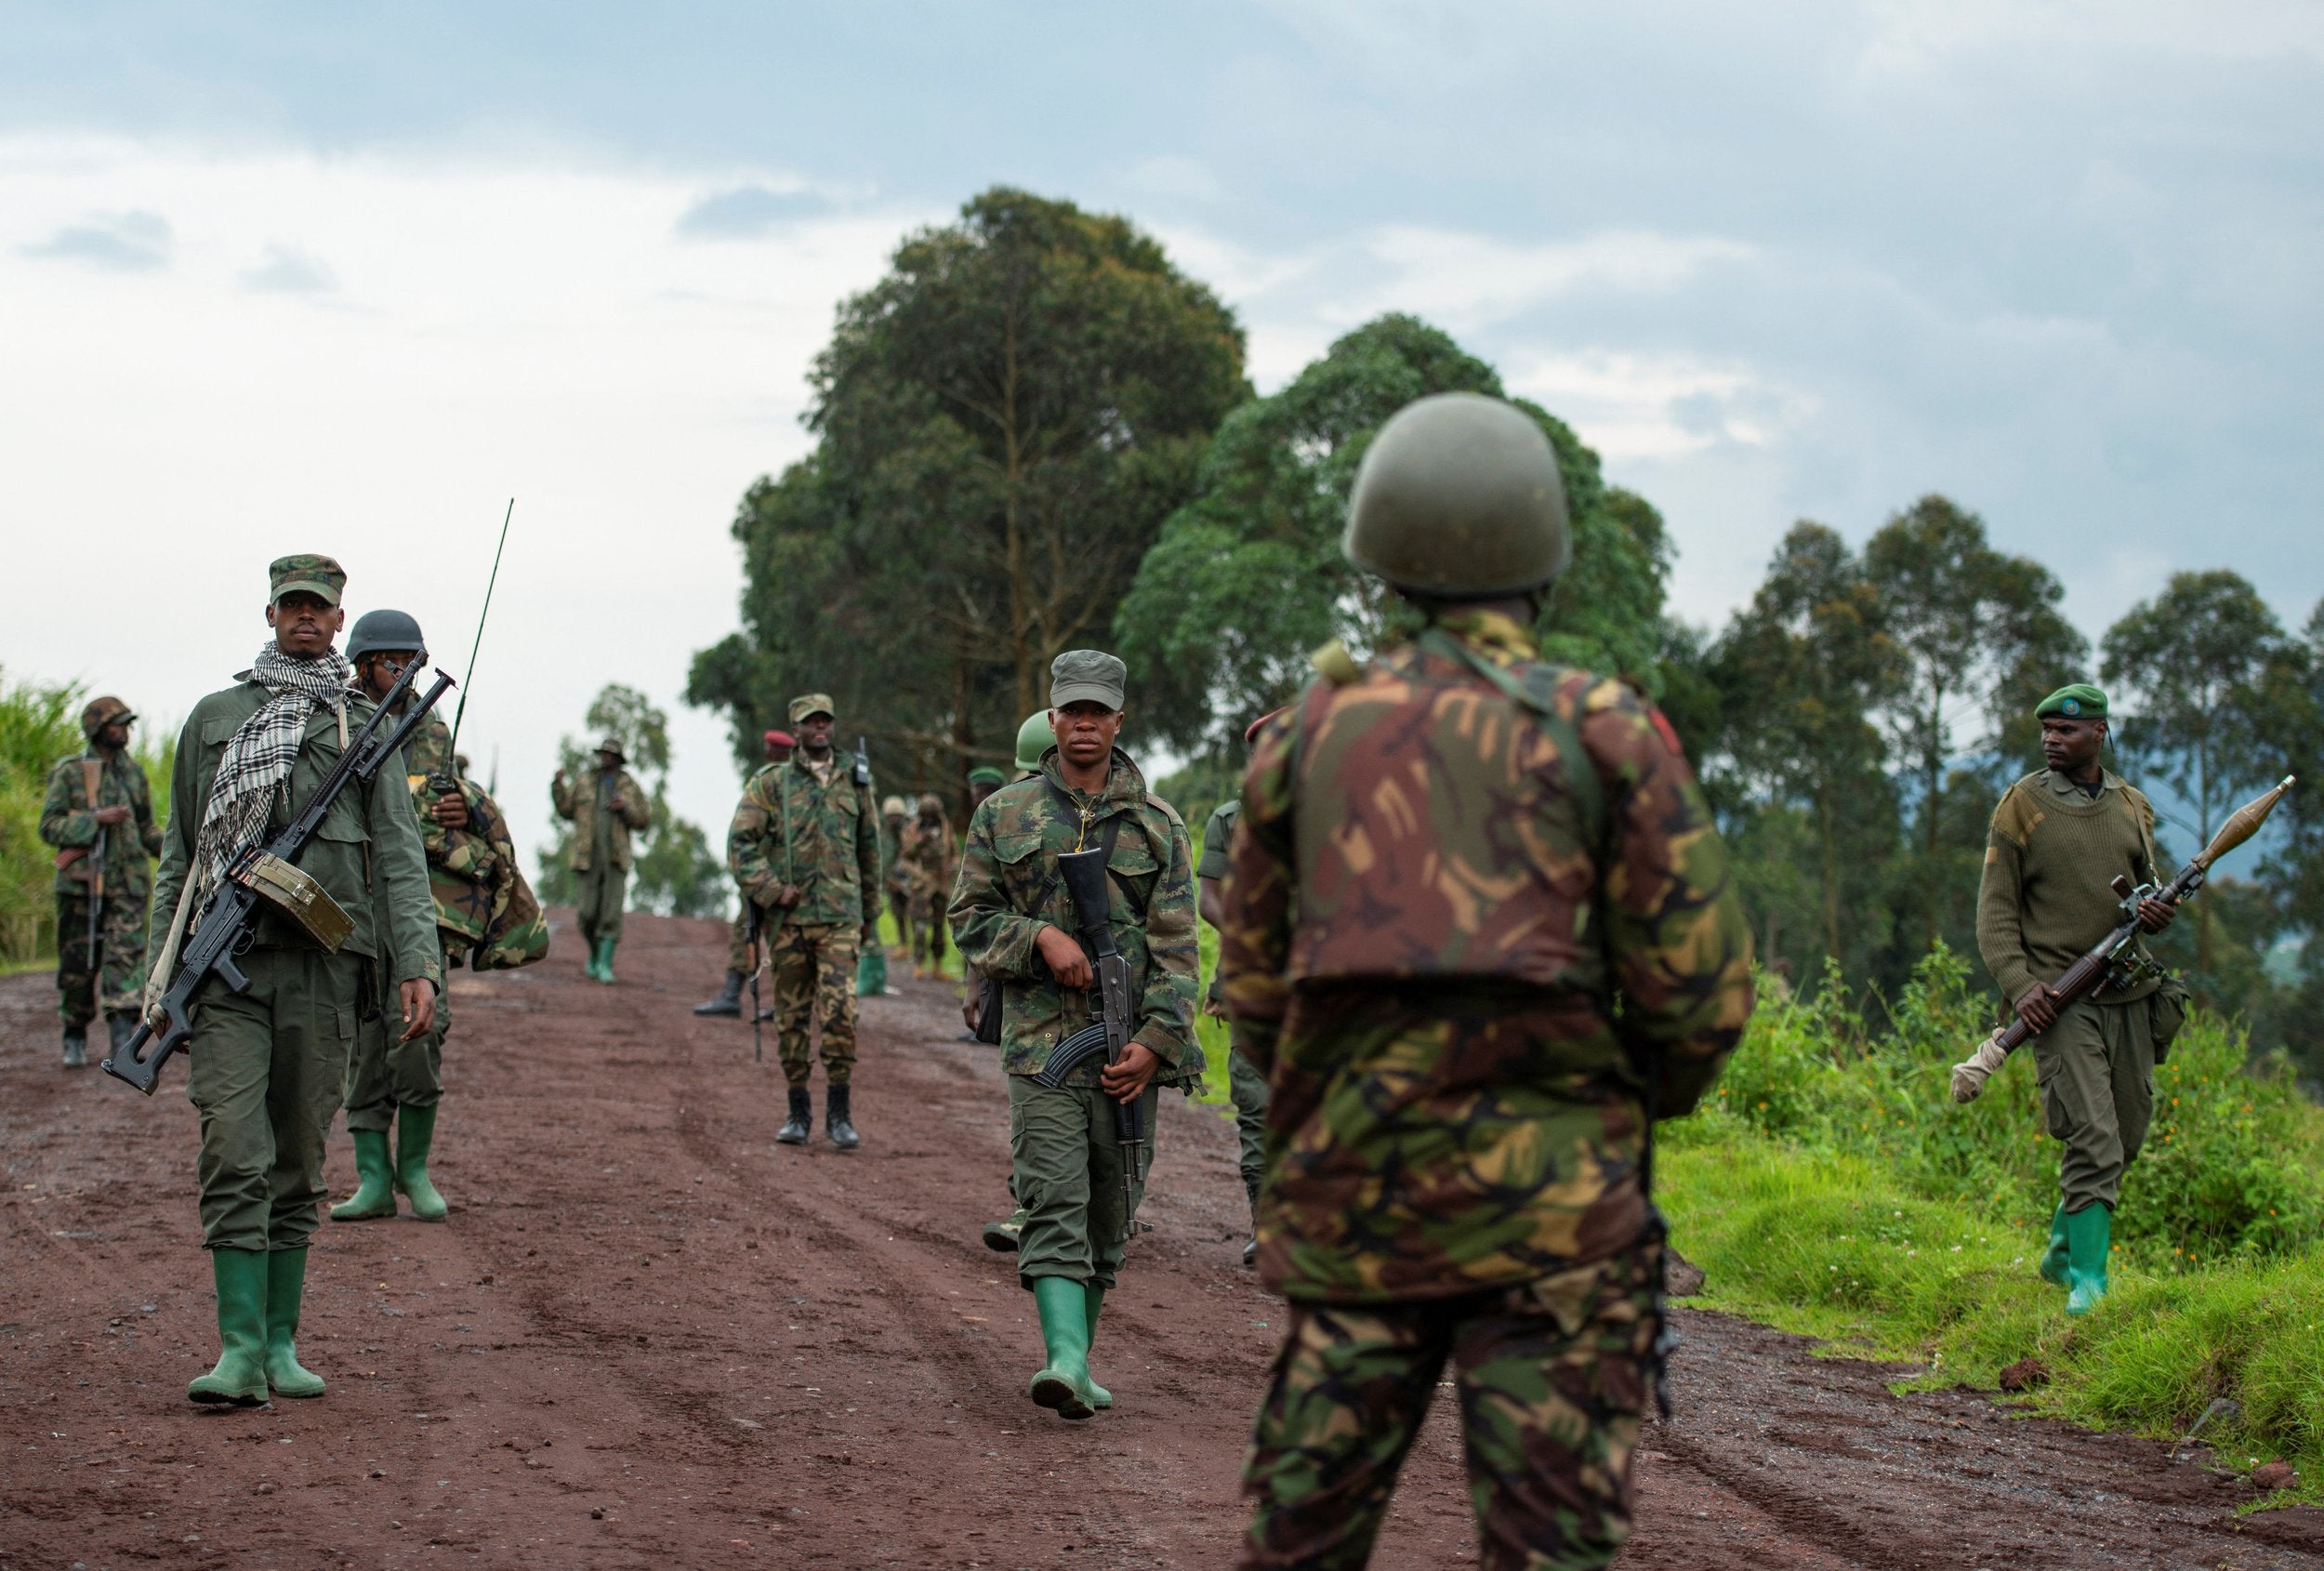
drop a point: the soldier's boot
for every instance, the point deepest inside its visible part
(1063, 1386)
(837, 1124)
(414, 1132)
(730, 999)
(240, 1378)
(375, 1179)
(2053, 1258)
(121, 1027)
(1002, 1237)
(1093, 1300)
(589, 967)
(2088, 1232)
(801, 1122)
(1250, 1247)
(286, 1284)
(605, 960)
(75, 1047)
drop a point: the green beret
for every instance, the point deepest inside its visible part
(2074, 701)
(985, 774)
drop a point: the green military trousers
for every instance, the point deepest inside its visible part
(599, 894)
(267, 1068)
(1554, 1376)
(1247, 1088)
(81, 991)
(812, 967)
(384, 1074)
(1066, 1169)
(2096, 1069)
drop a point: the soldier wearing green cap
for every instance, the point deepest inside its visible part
(268, 1064)
(605, 810)
(1012, 919)
(2058, 839)
(804, 844)
(98, 813)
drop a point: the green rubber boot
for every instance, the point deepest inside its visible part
(1093, 1300)
(1063, 1385)
(2053, 1258)
(415, 1131)
(375, 1183)
(240, 1378)
(2088, 1234)
(605, 960)
(286, 1284)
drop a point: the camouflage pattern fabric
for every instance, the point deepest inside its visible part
(1425, 920)
(821, 835)
(927, 855)
(1008, 890)
(68, 821)
(577, 803)
(121, 932)
(1552, 1377)
(812, 967)
(485, 911)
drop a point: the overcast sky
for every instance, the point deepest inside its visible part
(279, 277)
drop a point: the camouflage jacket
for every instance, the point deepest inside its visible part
(577, 802)
(68, 821)
(1430, 914)
(823, 836)
(1217, 838)
(1008, 890)
(926, 854)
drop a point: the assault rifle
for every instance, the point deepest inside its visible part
(1084, 879)
(97, 904)
(2103, 965)
(268, 876)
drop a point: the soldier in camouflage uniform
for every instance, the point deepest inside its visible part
(1011, 918)
(896, 878)
(1450, 863)
(605, 810)
(741, 960)
(103, 790)
(928, 854)
(1245, 1085)
(805, 846)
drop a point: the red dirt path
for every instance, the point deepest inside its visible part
(649, 1337)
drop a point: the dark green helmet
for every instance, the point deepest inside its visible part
(376, 630)
(1033, 738)
(1460, 496)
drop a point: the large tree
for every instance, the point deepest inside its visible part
(1002, 424)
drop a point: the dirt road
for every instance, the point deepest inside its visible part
(648, 1336)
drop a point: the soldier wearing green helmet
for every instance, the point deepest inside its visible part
(1456, 1148)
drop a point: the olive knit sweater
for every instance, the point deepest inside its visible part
(2049, 858)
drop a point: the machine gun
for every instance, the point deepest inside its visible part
(268, 876)
(1085, 880)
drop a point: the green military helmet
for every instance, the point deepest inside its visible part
(1460, 496)
(376, 630)
(1033, 738)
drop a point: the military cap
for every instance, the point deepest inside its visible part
(612, 744)
(2078, 700)
(894, 807)
(305, 573)
(808, 704)
(102, 712)
(1086, 675)
(985, 774)
(781, 739)
(376, 630)
(1032, 739)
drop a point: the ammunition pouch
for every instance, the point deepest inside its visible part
(2169, 1006)
(295, 894)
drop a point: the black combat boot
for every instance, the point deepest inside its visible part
(75, 1047)
(730, 999)
(795, 1129)
(837, 1124)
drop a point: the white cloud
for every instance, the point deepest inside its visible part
(290, 271)
(1463, 281)
(1638, 406)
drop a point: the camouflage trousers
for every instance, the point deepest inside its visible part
(1247, 1088)
(738, 956)
(926, 940)
(121, 933)
(1552, 1378)
(811, 966)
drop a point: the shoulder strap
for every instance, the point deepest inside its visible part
(92, 781)
(1536, 693)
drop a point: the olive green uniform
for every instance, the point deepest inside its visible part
(601, 846)
(68, 821)
(385, 1074)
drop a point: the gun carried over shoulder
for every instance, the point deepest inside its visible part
(263, 878)
(1084, 879)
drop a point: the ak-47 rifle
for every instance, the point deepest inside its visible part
(1084, 879)
(268, 876)
(2104, 966)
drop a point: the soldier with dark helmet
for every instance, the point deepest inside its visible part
(604, 810)
(98, 813)
(268, 1064)
(1452, 859)
(740, 960)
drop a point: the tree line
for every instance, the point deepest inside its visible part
(1036, 433)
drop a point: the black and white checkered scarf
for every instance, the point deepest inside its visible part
(258, 755)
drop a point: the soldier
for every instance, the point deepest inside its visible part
(897, 879)
(1245, 1085)
(1012, 919)
(1450, 861)
(805, 847)
(984, 780)
(101, 794)
(604, 813)
(395, 1085)
(2058, 839)
(740, 958)
(268, 1064)
(928, 854)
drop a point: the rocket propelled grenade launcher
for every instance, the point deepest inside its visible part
(265, 877)
(1084, 879)
(2103, 966)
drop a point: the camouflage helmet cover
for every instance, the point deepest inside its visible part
(102, 712)
(1033, 738)
(894, 807)
(1459, 496)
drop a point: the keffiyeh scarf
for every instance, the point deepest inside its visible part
(260, 755)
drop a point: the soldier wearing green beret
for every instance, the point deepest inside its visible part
(98, 813)
(269, 1064)
(605, 810)
(2058, 839)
